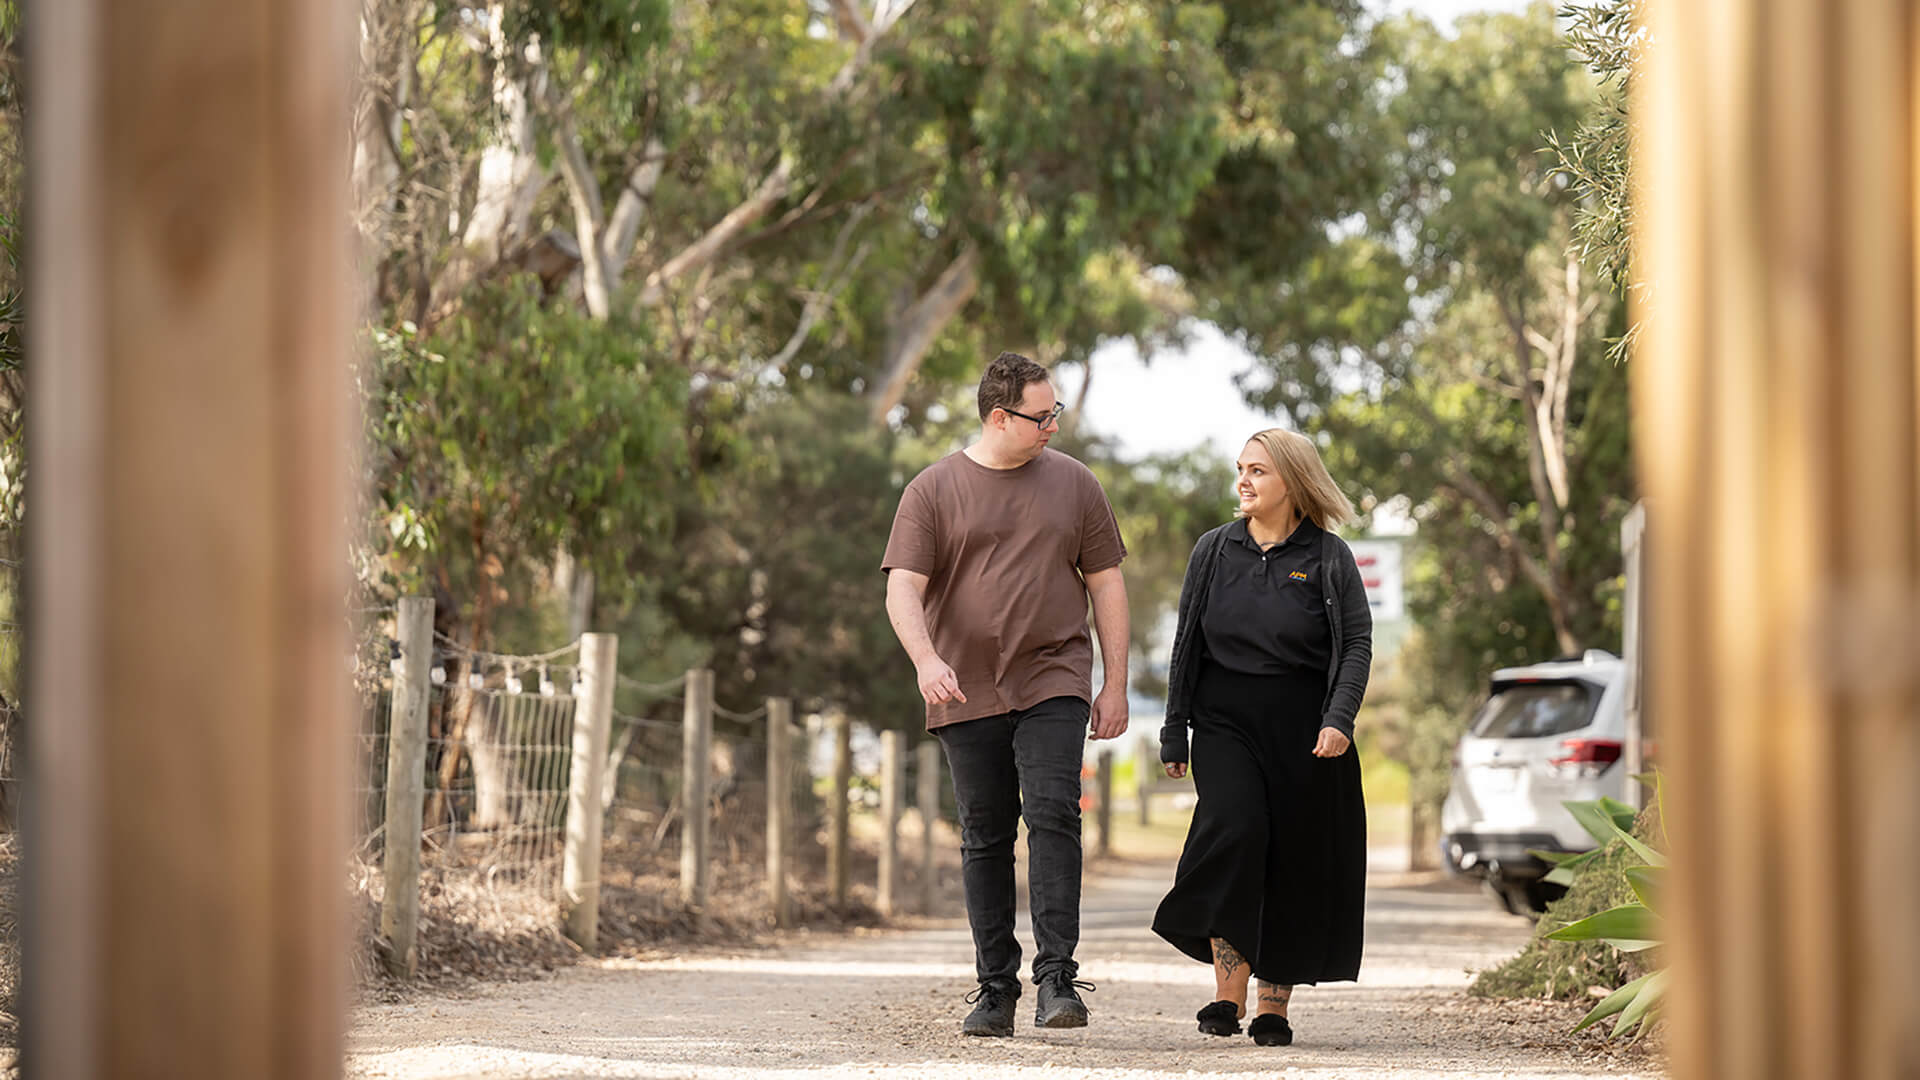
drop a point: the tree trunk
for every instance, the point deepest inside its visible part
(510, 176)
(1535, 407)
(630, 209)
(589, 211)
(385, 87)
(580, 604)
(490, 761)
(510, 173)
(915, 330)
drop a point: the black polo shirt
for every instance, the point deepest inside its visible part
(1267, 610)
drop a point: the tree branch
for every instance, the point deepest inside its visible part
(772, 188)
(623, 228)
(583, 191)
(852, 21)
(833, 280)
(916, 329)
(1460, 478)
(702, 251)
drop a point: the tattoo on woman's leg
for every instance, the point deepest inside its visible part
(1274, 997)
(1230, 974)
(1227, 958)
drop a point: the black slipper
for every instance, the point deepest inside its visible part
(1270, 1029)
(1219, 1018)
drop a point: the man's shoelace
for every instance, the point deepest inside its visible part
(994, 995)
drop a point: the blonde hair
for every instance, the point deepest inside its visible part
(1309, 485)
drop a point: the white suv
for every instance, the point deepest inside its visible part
(1548, 734)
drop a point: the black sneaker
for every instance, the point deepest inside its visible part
(993, 1013)
(1059, 1005)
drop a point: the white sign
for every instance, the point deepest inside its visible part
(1380, 570)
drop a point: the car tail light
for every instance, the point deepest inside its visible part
(1585, 759)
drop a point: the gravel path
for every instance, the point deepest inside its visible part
(890, 1003)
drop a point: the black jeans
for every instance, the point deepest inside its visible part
(1021, 763)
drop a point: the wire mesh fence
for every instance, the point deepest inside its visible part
(502, 872)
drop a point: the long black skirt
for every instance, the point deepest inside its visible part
(1276, 856)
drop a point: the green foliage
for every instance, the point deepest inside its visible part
(1608, 37)
(1631, 927)
(1605, 923)
(618, 30)
(1048, 133)
(1303, 151)
(1568, 970)
(13, 307)
(774, 564)
(514, 430)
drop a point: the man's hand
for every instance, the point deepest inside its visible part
(938, 683)
(1331, 744)
(1110, 712)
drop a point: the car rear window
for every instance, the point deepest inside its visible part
(1534, 710)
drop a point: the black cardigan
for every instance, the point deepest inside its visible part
(1347, 612)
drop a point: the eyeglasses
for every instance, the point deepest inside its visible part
(1042, 421)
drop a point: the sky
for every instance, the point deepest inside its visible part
(1185, 398)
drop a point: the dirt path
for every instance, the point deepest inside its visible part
(889, 1003)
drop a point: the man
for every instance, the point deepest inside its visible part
(995, 552)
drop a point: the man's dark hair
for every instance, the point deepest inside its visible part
(1006, 382)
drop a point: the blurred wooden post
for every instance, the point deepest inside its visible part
(1146, 769)
(837, 823)
(191, 440)
(406, 788)
(893, 775)
(1633, 529)
(592, 724)
(928, 797)
(696, 750)
(1778, 434)
(1103, 802)
(779, 805)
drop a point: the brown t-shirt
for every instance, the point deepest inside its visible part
(1005, 552)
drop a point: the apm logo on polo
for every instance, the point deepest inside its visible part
(1298, 575)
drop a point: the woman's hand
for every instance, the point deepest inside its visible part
(1176, 769)
(1331, 744)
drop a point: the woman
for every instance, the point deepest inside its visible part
(1269, 665)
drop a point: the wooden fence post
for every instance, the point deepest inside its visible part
(592, 722)
(696, 745)
(406, 788)
(893, 770)
(1146, 770)
(1103, 802)
(191, 436)
(837, 809)
(929, 799)
(779, 805)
